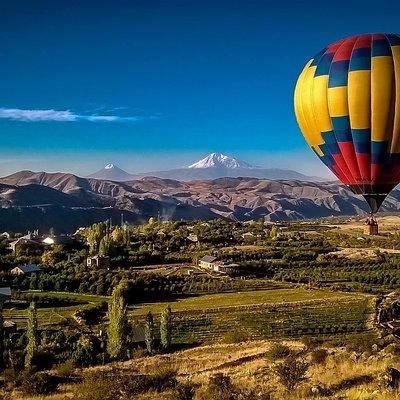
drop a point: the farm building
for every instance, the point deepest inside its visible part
(25, 269)
(207, 262)
(98, 261)
(25, 242)
(212, 263)
(9, 326)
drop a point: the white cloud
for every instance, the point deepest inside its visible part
(17, 114)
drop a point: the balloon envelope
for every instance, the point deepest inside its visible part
(347, 104)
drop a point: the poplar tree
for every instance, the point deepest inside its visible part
(117, 322)
(149, 336)
(32, 335)
(166, 328)
(1, 340)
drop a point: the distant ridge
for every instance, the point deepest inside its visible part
(40, 200)
(213, 166)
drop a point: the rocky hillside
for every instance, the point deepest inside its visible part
(65, 201)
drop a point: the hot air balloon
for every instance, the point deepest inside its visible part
(347, 104)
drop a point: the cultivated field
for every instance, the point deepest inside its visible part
(265, 314)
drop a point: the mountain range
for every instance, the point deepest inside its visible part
(40, 200)
(213, 166)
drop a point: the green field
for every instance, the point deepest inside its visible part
(240, 299)
(276, 313)
(258, 314)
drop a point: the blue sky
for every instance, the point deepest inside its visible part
(153, 85)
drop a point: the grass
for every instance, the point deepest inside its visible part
(241, 299)
(248, 366)
(87, 298)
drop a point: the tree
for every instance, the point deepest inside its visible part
(149, 336)
(166, 328)
(291, 372)
(1, 340)
(104, 246)
(117, 323)
(117, 235)
(32, 335)
(273, 232)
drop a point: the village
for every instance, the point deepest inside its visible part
(212, 277)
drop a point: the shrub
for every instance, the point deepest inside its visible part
(361, 344)
(318, 356)
(138, 353)
(310, 342)
(291, 372)
(41, 360)
(184, 391)
(220, 387)
(85, 352)
(66, 369)
(236, 336)
(278, 351)
(163, 378)
(38, 384)
(117, 384)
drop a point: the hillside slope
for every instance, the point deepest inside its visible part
(234, 198)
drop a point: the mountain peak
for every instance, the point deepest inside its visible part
(110, 166)
(219, 160)
(113, 173)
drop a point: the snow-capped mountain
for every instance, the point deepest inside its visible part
(218, 160)
(217, 165)
(214, 166)
(112, 173)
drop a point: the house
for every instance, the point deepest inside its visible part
(211, 263)
(31, 240)
(192, 237)
(9, 326)
(207, 262)
(98, 261)
(25, 269)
